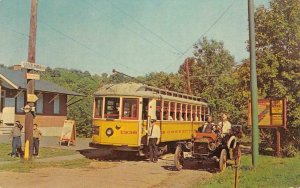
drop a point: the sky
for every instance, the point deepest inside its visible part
(132, 36)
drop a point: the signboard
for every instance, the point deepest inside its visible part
(32, 98)
(271, 113)
(68, 133)
(33, 66)
(32, 76)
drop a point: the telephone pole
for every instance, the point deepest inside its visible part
(253, 76)
(187, 70)
(30, 82)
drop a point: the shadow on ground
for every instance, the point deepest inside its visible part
(209, 166)
(109, 155)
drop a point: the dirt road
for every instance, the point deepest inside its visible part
(122, 173)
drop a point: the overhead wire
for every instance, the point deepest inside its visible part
(147, 29)
(132, 31)
(83, 45)
(209, 28)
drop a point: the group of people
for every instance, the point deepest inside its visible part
(15, 137)
(224, 125)
(154, 133)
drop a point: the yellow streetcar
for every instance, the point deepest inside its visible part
(122, 113)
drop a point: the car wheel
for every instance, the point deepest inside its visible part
(223, 159)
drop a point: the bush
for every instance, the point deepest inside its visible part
(289, 151)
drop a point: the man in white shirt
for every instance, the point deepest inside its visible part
(154, 137)
(225, 125)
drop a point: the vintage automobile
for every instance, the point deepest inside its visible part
(214, 146)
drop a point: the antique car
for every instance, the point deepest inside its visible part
(210, 146)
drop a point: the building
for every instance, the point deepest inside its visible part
(51, 106)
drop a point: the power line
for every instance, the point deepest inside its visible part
(84, 45)
(213, 24)
(134, 32)
(148, 29)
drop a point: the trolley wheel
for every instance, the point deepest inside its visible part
(223, 159)
(178, 158)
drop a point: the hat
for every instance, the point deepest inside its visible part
(153, 120)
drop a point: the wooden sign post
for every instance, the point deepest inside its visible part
(68, 133)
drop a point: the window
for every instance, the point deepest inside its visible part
(130, 109)
(112, 108)
(158, 109)
(172, 111)
(98, 107)
(40, 105)
(56, 105)
(166, 110)
(194, 113)
(203, 113)
(178, 111)
(183, 112)
(20, 103)
(9, 102)
(198, 113)
(189, 113)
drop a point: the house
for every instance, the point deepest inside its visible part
(51, 106)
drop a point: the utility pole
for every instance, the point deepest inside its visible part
(253, 76)
(30, 82)
(187, 70)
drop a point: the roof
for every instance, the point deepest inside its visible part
(16, 80)
(142, 90)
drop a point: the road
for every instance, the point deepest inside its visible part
(105, 171)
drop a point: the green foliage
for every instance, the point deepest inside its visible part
(270, 172)
(278, 59)
(81, 82)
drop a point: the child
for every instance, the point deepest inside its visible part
(37, 134)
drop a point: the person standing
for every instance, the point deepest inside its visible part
(37, 134)
(15, 137)
(225, 125)
(154, 138)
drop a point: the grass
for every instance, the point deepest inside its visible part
(28, 166)
(270, 172)
(43, 153)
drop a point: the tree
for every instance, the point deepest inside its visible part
(278, 58)
(211, 70)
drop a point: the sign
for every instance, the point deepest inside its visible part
(68, 133)
(32, 76)
(33, 66)
(32, 98)
(271, 113)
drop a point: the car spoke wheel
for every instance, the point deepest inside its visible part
(178, 158)
(223, 159)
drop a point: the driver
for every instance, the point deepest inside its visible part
(208, 126)
(225, 125)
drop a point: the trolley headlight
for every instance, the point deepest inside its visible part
(109, 132)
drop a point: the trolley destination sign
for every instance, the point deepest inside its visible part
(33, 66)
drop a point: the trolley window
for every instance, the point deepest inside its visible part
(198, 113)
(112, 108)
(189, 113)
(98, 107)
(194, 113)
(130, 108)
(158, 109)
(178, 112)
(203, 113)
(172, 111)
(166, 110)
(184, 112)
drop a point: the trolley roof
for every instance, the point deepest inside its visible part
(142, 90)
